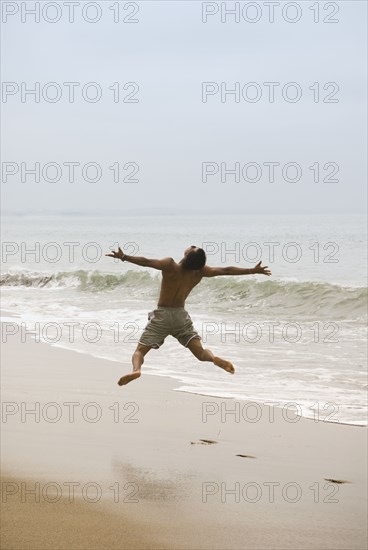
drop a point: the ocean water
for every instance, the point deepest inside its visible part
(297, 337)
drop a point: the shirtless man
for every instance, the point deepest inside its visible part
(170, 317)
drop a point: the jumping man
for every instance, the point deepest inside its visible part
(170, 317)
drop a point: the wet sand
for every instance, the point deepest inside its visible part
(144, 466)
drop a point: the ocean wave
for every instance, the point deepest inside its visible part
(89, 281)
(233, 293)
(294, 297)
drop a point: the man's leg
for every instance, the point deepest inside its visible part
(137, 361)
(195, 346)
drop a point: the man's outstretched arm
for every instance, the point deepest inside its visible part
(165, 263)
(216, 271)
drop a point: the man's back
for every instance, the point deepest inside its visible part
(177, 283)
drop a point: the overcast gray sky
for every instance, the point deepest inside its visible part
(170, 132)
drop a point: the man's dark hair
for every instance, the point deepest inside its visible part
(195, 259)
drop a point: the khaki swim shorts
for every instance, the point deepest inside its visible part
(168, 320)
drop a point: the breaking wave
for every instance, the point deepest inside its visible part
(232, 292)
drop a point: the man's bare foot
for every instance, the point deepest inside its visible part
(128, 378)
(226, 365)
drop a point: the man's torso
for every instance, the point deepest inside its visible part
(176, 285)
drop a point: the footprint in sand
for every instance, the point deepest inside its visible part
(339, 481)
(246, 456)
(203, 442)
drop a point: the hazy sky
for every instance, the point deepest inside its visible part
(170, 132)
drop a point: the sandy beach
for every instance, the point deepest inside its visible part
(103, 467)
(183, 183)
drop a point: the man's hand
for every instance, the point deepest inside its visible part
(262, 270)
(119, 254)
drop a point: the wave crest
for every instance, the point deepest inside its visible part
(89, 281)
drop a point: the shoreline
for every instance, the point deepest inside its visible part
(203, 479)
(6, 316)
